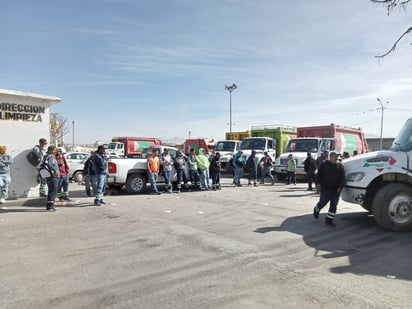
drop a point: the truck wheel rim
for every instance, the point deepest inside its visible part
(400, 209)
(137, 184)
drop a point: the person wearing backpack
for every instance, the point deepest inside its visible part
(99, 179)
(35, 158)
(88, 173)
(52, 176)
(5, 179)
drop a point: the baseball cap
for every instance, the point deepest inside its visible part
(334, 153)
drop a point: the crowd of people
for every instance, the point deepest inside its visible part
(204, 172)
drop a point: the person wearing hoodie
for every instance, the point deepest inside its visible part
(5, 179)
(203, 163)
(238, 163)
(252, 166)
(215, 171)
(194, 174)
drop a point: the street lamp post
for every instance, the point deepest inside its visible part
(382, 109)
(230, 89)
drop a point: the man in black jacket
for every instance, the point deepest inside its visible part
(310, 169)
(330, 180)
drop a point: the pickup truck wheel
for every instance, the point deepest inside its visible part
(392, 207)
(136, 183)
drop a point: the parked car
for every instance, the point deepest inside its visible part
(76, 163)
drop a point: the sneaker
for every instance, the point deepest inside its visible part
(67, 199)
(2, 200)
(315, 213)
(52, 209)
(102, 202)
(255, 184)
(330, 222)
(97, 203)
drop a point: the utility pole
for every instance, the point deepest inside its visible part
(382, 109)
(73, 134)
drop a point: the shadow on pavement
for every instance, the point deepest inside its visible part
(370, 250)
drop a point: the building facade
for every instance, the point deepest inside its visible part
(24, 118)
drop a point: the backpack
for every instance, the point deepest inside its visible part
(44, 169)
(34, 157)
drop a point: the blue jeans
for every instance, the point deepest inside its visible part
(204, 175)
(99, 184)
(153, 181)
(168, 181)
(52, 186)
(238, 175)
(267, 172)
(291, 177)
(180, 176)
(194, 176)
(4, 185)
(331, 196)
(63, 187)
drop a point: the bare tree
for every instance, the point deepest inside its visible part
(390, 6)
(58, 129)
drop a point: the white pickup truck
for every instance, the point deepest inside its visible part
(132, 172)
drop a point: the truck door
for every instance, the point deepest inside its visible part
(328, 144)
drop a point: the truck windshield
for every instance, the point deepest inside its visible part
(225, 146)
(302, 145)
(111, 146)
(253, 144)
(403, 142)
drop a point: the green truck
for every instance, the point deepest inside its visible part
(282, 134)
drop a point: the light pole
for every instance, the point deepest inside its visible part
(382, 108)
(230, 89)
(73, 134)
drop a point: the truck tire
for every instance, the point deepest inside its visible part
(136, 183)
(392, 207)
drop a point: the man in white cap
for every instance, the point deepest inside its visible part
(330, 180)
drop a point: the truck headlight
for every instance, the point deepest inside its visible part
(358, 176)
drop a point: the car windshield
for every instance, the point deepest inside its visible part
(302, 145)
(403, 142)
(253, 144)
(225, 146)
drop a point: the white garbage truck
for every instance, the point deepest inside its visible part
(381, 182)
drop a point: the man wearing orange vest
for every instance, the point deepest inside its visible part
(153, 166)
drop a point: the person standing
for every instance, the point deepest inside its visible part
(53, 177)
(215, 167)
(291, 169)
(203, 164)
(193, 169)
(88, 173)
(40, 151)
(166, 162)
(238, 163)
(252, 166)
(310, 169)
(63, 187)
(180, 163)
(99, 179)
(153, 167)
(5, 179)
(330, 180)
(267, 168)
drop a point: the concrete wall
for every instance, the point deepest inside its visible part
(24, 118)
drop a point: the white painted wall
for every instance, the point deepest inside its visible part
(21, 135)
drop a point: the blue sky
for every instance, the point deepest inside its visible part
(158, 68)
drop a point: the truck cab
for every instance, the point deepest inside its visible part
(381, 182)
(260, 145)
(115, 150)
(226, 149)
(299, 147)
